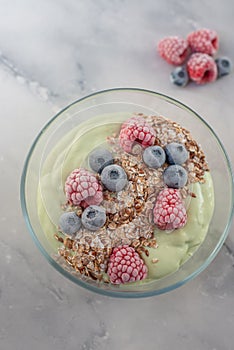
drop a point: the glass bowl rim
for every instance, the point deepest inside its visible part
(111, 293)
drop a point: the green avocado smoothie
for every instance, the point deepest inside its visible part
(71, 152)
(176, 247)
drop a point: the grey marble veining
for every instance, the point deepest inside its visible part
(51, 53)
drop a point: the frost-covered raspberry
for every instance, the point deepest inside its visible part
(82, 188)
(202, 68)
(169, 211)
(203, 41)
(125, 265)
(136, 129)
(173, 49)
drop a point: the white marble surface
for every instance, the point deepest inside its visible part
(55, 51)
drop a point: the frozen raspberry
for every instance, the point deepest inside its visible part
(169, 211)
(125, 265)
(173, 49)
(137, 130)
(202, 68)
(82, 188)
(203, 41)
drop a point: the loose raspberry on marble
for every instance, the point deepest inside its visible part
(203, 41)
(169, 212)
(82, 188)
(125, 265)
(202, 68)
(136, 130)
(173, 49)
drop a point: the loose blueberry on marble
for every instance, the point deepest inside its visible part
(176, 153)
(69, 223)
(175, 176)
(114, 178)
(179, 76)
(93, 217)
(224, 66)
(154, 156)
(99, 158)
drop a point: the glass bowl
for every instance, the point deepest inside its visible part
(124, 100)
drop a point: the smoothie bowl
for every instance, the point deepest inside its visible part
(128, 193)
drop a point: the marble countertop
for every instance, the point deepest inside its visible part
(51, 53)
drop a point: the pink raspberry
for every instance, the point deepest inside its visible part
(169, 211)
(125, 265)
(134, 130)
(173, 49)
(82, 188)
(202, 68)
(203, 41)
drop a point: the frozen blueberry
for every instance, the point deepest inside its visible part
(93, 217)
(154, 156)
(179, 76)
(176, 153)
(224, 66)
(69, 223)
(99, 158)
(175, 176)
(114, 178)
